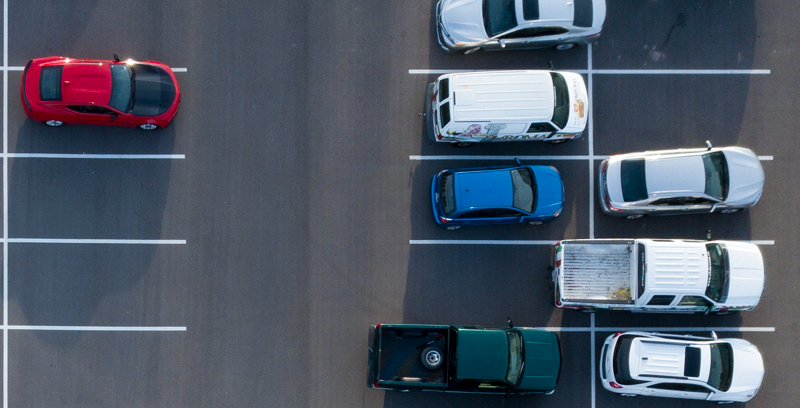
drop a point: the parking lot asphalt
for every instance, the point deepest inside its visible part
(241, 260)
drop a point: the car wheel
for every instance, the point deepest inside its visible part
(588, 310)
(730, 210)
(148, 126)
(536, 222)
(53, 123)
(462, 144)
(432, 358)
(471, 51)
(557, 141)
(453, 227)
(565, 46)
(635, 216)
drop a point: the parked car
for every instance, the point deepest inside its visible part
(674, 366)
(680, 181)
(505, 106)
(497, 195)
(657, 275)
(463, 359)
(468, 26)
(59, 90)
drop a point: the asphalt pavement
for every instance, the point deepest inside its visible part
(287, 208)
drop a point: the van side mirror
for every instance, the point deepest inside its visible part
(708, 145)
(714, 335)
(713, 208)
(502, 43)
(510, 323)
(519, 163)
(708, 235)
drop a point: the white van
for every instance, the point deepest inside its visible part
(505, 106)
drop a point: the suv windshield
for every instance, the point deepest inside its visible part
(515, 357)
(560, 100)
(717, 272)
(716, 175)
(721, 371)
(499, 16)
(447, 195)
(621, 364)
(121, 87)
(524, 186)
(634, 184)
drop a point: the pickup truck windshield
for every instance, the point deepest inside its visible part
(717, 276)
(515, 357)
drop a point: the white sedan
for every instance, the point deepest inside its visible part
(680, 181)
(676, 366)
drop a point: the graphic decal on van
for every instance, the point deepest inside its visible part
(579, 108)
(472, 131)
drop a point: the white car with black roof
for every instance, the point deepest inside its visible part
(681, 366)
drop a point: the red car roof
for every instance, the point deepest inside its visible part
(86, 83)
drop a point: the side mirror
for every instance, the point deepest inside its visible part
(116, 57)
(114, 116)
(519, 163)
(510, 323)
(708, 145)
(713, 208)
(708, 235)
(502, 43)
(714, 335)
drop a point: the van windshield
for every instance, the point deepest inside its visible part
(560, 100)
(717, 272)
(515, 357)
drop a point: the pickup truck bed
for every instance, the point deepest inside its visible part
(597, 271)
(401, 350)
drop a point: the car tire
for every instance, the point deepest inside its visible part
(462, 144)
(726, 312)
(557, 141)
(148, 126)
(730, 211)
(536, 222)
(53, 123)
(635, 216)
(432, 358)
(471, 51)
(452, 227)
(565, 46)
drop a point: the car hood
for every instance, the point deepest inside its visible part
(745, 174)
(542, 360)
(746, 281)
(579, 111)
(748, 367)
(549, 190)
(155, 90)
(83, 83)
(463, 20)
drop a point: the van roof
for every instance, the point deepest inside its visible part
(525, 96)
(676, 267)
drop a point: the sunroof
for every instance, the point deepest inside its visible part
(530, 9)
(691, 364)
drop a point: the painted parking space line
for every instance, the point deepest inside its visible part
(100, 328)
(96, 241)
(97, 156)
(523, 242)
(615, 71)
(656, 329)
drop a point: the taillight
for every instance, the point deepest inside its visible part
(378, 326)
(557, 213)
(593, 35)
(558, 263)
(558, 302)
(377, 384)
(617, 334)
(614, 385)
(435, 94)
(444, 220)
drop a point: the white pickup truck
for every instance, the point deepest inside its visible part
(657, 275)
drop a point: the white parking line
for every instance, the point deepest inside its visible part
(96, 156)
(5, 204)
(101, 328)
(520, 242)
(656, 329)
(590, 132)
(95, 241)
(616, 71)
(592, 356)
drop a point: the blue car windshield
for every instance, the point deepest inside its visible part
(524, 186)
(499, 16)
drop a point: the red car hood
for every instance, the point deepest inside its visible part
(86, 83)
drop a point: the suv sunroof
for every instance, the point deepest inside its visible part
(530, 9)
(691, 363)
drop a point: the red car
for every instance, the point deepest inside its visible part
(58, 90)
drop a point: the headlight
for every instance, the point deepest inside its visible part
(557, 213)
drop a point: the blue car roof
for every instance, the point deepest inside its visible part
(482, 189)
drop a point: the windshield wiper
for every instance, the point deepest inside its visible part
(133, 90)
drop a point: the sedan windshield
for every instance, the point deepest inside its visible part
(499, 16)
(121, 87)
(524, 186)
(717, 272)
(721, 372)
(515, 357)
(716, 175)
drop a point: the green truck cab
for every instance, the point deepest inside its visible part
(463, 359)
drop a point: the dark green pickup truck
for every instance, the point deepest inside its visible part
(463, 359)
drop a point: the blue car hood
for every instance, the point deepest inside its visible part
(550, 190)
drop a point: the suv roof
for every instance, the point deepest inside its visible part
(667, 359)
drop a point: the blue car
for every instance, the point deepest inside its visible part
(497, 195)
